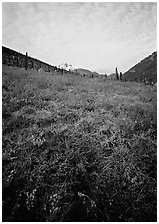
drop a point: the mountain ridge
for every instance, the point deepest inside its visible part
(144, 71)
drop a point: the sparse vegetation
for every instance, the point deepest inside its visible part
(78, 149)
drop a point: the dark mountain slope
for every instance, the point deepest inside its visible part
(146, 70)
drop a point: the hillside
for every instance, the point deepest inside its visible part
(144, 70)
(77, 149)
(86, 72)
(13, 58)
(112, 76)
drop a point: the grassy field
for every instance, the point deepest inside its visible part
(77, 148)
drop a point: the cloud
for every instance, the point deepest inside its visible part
(92, 34)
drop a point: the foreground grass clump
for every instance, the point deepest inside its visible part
(77, 149)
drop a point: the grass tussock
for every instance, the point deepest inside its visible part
(77, 149)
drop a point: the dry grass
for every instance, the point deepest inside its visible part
(77, 149)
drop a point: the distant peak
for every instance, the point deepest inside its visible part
(67, 66)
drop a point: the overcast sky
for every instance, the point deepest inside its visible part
(97, 36)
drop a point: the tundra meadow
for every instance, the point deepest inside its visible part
(77, 148)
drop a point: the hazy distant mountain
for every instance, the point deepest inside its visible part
(146, 69)
(76, 69)
(83, 72)
(86, 72)
(80, 71)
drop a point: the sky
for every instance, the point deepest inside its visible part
(99, 36)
